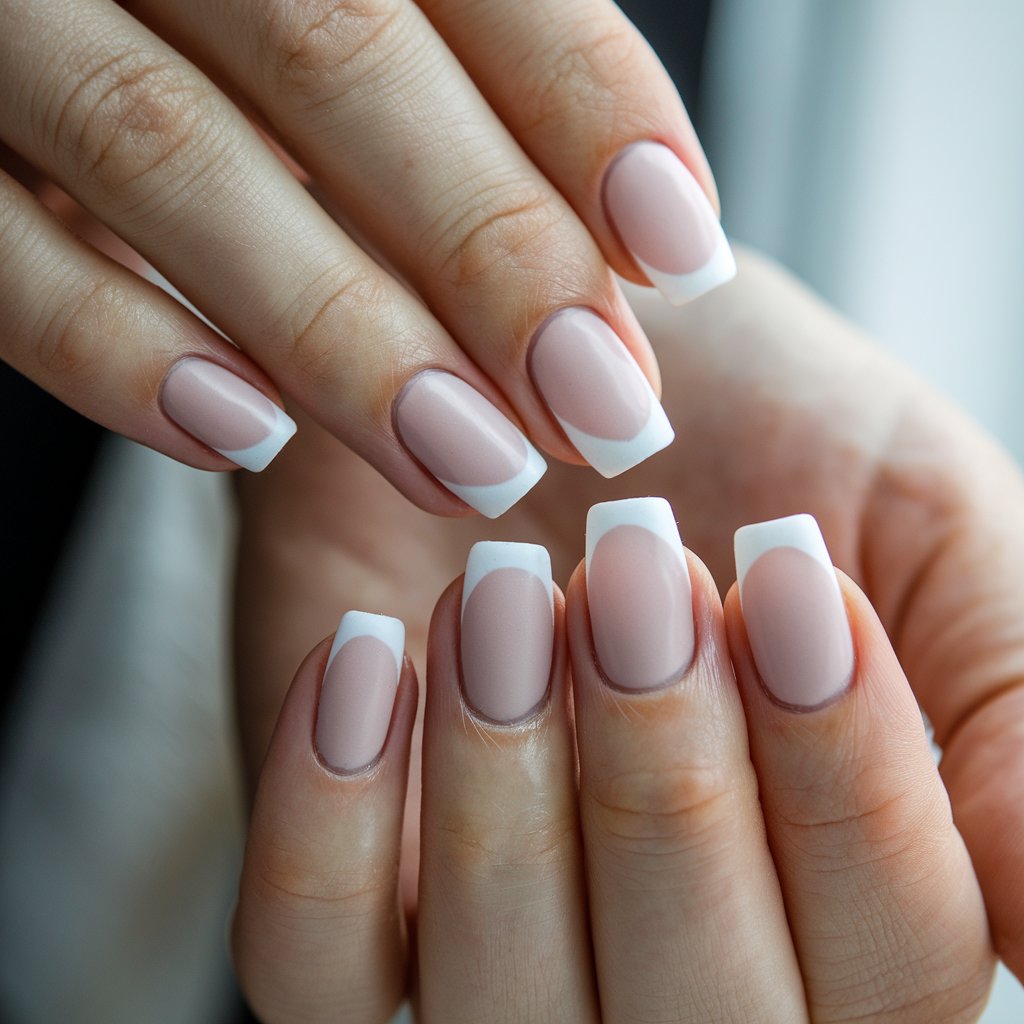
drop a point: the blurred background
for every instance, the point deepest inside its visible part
(875, 148)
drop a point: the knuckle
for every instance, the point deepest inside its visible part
(866, 821)
(296, 893)
(71, 341)
(342, 302)
(595, 72)
(320, 47)
(666, 811)
(497, 231)
(485, 848)
(124, 118)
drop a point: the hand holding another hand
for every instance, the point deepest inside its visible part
(847, 883)
(482, 187)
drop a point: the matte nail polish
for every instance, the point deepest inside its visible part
(507, 629)
(665, 220)
(358, 692)
(638, 590)
(597, 392)
(466, 443)
(793, 610)
(225, 412)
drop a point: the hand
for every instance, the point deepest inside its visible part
(781, 851)
(496, 160)
(780, 408)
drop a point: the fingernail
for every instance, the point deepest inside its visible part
(638, 589)
(225, 412)
(507, 629)
(596, 391)
(666, 222)
(466, 443)
(358, 692)
(793, 610)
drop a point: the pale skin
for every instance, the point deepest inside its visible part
(141, 112)
(852, 893)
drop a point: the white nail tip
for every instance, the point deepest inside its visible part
(486, 556)
(388, 630)
(493, 500)
(682, 288)
(610, 458)
(654, 514)
(800, 531)
(258, 456)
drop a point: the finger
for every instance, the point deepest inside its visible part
(142, 139)
(317, 933)
(387, 121)
(121, 352)
(591, 104)
(686, 911)
(882, 900)
(502, 930)
(960, 634)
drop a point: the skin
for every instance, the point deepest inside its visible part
(146, 114)
(779, 407)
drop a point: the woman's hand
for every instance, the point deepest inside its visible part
(497, 160)
(780, 408)
(773, 844)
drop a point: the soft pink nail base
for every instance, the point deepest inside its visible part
(798, 631)
(357, 696)
(225, 412)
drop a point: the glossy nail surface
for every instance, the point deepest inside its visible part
(666, 222)
(507, 629)
(638, 589)
(466, 443)
(358, 692)
(793, 610)
(597, 392)
(225, 412)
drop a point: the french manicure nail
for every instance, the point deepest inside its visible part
(358, 692)
(638, 589)
(597, 392)
(466, 443)
(666, 222)
(793, 610)
(507, 629)
(225, 412)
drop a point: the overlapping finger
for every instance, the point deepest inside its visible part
(147, 143)
(382, 113)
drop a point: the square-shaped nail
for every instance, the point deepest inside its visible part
(665, 220)
(638, 589)
(358, 692)
(597, 392)
(225, 412)
(466, 443)
(507, 629)
(793, 611)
